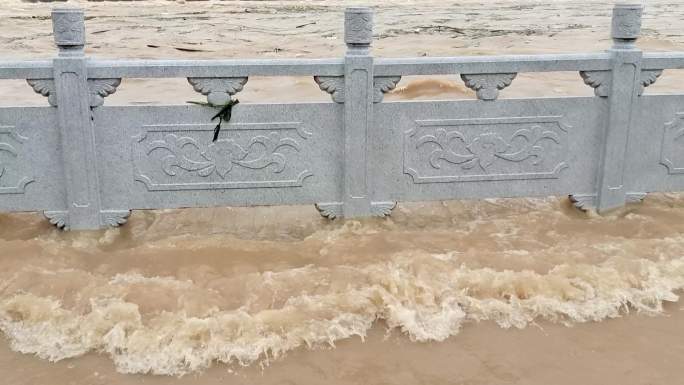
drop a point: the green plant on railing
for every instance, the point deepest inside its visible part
(223, 115)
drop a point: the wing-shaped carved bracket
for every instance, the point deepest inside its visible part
(111, 218)
(45, 87)
(600, 80)
(114, 218)
(334, 85)
(383, 85)
(58, 218)
(330, 210)
(487, 86)
(382, 209)
(587, 202)
(218, 90)
(648, 77)
(100, 89)
(97, 88)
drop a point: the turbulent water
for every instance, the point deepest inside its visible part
(176, 291)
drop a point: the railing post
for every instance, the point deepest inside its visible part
(625, 82)
(75, 125)
(358, 109)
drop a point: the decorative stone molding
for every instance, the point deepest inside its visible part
(218, 90)
(68, 27)
(460, 150)
(648, 77)
(114, 218)
(58, 218)
(586, 202)
(45, 87)
(330, 210)
(334, 85)
(382, 209)
(487, 86)
(600, 80)
(100, 89)
(626, 22)
(358, 26)
(97, 88)
(382, 85)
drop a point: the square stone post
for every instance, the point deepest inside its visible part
(625, 80)
(75, 126)
(358, 110)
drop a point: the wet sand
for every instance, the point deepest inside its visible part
(474, 292)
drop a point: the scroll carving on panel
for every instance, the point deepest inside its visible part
(247, 155)
(487, 149)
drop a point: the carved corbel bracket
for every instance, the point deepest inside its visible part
(100, 89)
(114, 218)
(111, 218)
(487, 86)
(97, 88)
(334, 85)
(330, 210)
(648, 77)
(58, 218)
(600, 80)
(383, 85)
(587, 202)
(45, 87)
(382, 209)
(218, 90)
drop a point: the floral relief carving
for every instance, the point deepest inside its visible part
(487, 86)
(488, 147)
(221, 156)
(516, 148)
(180, 157)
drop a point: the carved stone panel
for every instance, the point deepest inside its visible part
(14, 161)
(246, 155)
(672, 148)
(488, 149)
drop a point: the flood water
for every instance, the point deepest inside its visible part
(174, 292)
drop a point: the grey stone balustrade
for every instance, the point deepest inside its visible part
(86, 164)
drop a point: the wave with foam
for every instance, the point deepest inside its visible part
(429, 297)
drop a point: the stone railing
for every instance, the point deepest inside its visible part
(87, 165)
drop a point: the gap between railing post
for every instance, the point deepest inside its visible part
(625, 80)
(76, 131)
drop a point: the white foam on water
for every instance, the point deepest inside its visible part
(429, 297)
